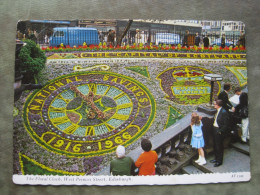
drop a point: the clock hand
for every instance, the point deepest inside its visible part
(90, 97)
(89, 100)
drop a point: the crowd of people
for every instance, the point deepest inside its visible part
(137, 37)
(226, 120)
(204, 40)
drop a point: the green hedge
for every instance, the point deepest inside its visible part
(32, 58)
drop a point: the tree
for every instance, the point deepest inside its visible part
(32, 59)
(125, 31)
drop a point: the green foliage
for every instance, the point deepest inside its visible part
(141, 70)
(32, 169)
(32, 58)
(173, 117)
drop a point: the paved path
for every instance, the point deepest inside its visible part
(236, 159)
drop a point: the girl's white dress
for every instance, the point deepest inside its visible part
(197, 140)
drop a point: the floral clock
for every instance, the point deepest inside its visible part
(89, 113)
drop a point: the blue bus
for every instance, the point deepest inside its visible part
(74, 36)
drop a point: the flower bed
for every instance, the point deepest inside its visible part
(160, 77)
(141, 47)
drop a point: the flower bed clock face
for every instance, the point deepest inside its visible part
(89, 113)
(186, 85)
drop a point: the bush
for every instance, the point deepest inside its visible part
(32, 58)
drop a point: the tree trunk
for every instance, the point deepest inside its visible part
(119, 41)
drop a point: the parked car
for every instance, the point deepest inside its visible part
(167, 38)
(218, 42)
(74, 36)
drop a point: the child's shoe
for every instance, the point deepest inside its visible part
(203, 161)
(198, 160)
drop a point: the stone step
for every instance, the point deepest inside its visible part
(190, 169)
(234, 161)
(244, 148)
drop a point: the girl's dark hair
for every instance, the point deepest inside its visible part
(243, 99)
(146, 145)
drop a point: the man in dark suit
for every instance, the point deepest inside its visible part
(220, 126)
(224, 97)
(206, 41)
(185, 39)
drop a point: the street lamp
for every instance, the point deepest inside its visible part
(212, 78)
(209, 109)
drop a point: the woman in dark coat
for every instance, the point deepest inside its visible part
(223, 41)
(206, 41)
(242, 111)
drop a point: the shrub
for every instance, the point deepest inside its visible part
(32, 58)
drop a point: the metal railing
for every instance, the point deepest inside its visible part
(147, 37)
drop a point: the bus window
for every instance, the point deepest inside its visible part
(59, 34)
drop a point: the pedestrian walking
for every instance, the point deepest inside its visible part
(111, 37)
(242, 39)
(223, 41)
(206, 41)
(185, 39)
(197, 39)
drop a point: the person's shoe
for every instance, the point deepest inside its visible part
(213, 161)
(243, 141)
(198, 160)
(202, 162)
(217, 164)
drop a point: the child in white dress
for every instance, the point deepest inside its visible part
(197, 140)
